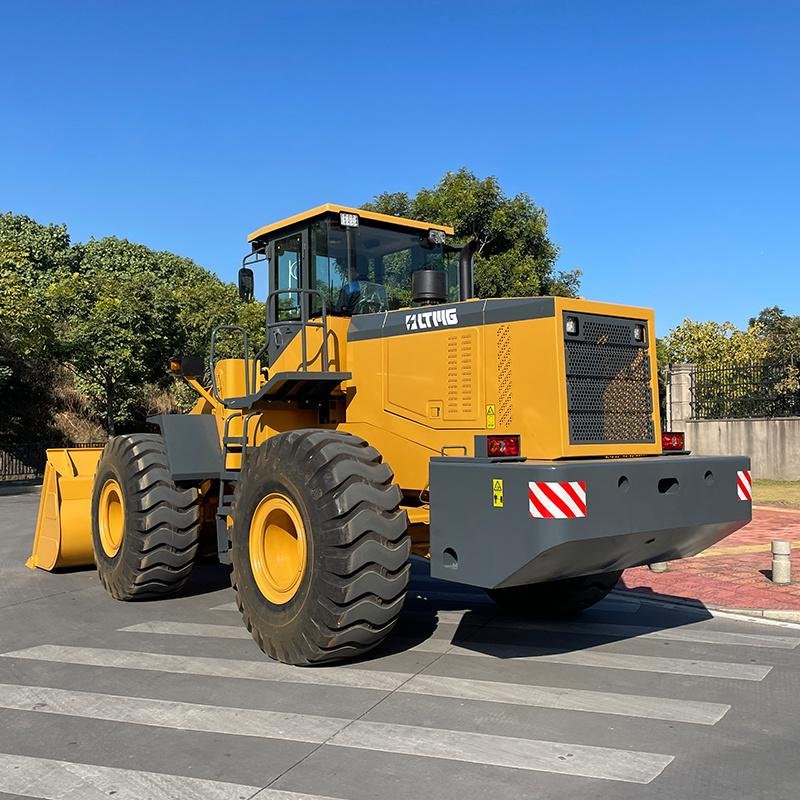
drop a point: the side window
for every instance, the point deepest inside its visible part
(328, 266)
(288, 255)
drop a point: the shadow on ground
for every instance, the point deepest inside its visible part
(467, 618)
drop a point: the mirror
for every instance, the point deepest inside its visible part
(246, 284)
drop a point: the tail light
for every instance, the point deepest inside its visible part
(673, 441)
(499, 446)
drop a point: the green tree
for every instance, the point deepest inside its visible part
(29, 254)
(515, 256)
(781, 333)
(714, 343)
(125, 313)
(87, 329)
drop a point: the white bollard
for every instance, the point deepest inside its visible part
(658, 566)
(781, 562)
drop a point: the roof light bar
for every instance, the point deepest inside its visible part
(348, 220)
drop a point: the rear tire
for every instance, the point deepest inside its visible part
(562, 598)
(145, 529)
(338, 593)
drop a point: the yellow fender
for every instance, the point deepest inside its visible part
(63, 535)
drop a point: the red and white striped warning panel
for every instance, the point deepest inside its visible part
(744, 485)
(557, 500)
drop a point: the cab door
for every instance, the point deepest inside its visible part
(288, 271)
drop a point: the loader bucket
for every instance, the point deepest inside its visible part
(63, 535)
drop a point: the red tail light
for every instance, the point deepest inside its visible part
(502, 446)
(673, 441)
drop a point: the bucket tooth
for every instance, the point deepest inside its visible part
(63, 535)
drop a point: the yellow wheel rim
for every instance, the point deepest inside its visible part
(111, 517)
(278, 548)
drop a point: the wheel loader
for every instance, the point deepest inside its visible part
(515, 443)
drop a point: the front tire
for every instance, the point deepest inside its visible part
(563, 598)
(319, 547)
(145, 530)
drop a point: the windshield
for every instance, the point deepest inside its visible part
(367, 269)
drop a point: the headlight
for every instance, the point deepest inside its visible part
(348, 220)
(638, 333)
(571, 326)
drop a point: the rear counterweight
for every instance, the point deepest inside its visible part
(514, 523)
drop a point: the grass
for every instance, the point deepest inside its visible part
(776, 493)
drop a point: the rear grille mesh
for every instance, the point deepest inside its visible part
(608, 383)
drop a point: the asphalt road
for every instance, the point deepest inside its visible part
(171, 699)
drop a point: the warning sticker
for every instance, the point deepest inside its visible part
(490, 416)
(497, 492)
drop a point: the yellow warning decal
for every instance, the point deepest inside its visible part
(497, 492)
(490, 416)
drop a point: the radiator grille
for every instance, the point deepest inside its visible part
(608, 383)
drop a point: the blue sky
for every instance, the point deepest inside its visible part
(662, 138)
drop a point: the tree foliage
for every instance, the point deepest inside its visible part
(515, 256)
(707, 343)
(772, 336)
(99, 320)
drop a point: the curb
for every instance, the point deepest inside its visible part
(783, 618)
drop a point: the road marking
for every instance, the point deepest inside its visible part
(171, 714)
(589, 657)
(519, 694)
(685, 634)
(446, 617)
(628, 705)
(264, 670)
(612, 605)
(504, 751)
(61, 780)
(580, 658)
(189, 629)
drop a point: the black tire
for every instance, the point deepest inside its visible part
(357, 567)
(161, 521)
(562, 598)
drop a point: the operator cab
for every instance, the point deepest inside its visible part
(356, 261)
(339, 261)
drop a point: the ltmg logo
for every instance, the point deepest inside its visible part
(438, 318)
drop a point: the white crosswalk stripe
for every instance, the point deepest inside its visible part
(263, 670)
(682, 634)
(49, 779)
(587, 657)
(171, 713)
(505, 751)
(531, 754)
(169, 628)
(609, 605)
(567, 699)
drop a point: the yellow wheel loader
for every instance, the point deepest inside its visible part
(516, 443)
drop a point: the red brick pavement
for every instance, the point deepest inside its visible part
(729, 574)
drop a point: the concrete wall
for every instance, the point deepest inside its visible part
(772, 444)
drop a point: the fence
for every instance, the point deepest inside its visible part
(710, 405)
(747, 391)
(26, 461)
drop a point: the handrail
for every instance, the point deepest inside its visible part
(212, 354)
(251, 375)
(304, 323)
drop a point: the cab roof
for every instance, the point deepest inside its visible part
(334, 208)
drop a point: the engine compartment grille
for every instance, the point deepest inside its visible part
(609, 397)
